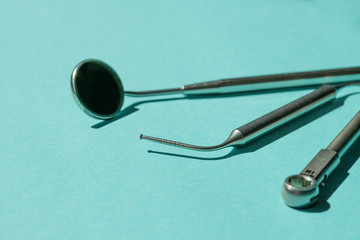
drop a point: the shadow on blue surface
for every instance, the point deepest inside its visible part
(131, 109)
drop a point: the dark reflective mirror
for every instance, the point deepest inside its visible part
(97, 89)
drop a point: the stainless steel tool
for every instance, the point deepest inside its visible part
(302, 190)
(266, 123)
(99, 92)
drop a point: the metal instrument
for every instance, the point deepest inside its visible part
(302, 190)
(99, 92)
(266, 123)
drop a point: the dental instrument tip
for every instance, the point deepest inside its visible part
(160, 140)
(185, 145)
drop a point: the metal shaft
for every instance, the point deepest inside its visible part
(346, 137)
(266, 123)
(265, 82)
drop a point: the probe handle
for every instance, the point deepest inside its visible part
(287, 113)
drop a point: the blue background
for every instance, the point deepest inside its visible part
(64, 175)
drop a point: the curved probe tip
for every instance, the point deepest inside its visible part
(185, 145)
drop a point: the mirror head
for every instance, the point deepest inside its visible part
(97, 89)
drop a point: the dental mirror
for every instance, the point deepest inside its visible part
(97, 89)
(99, 92)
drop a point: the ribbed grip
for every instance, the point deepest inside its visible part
(288, 112)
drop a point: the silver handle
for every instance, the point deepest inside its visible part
(287, 112)
(276, 81)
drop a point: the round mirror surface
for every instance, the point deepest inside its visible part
(97, 89)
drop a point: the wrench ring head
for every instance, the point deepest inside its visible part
(300, 191)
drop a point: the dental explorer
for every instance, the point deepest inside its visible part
(253, 130)
(99, 92)
(302, 190)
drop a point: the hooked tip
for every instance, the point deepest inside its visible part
(183, 145)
